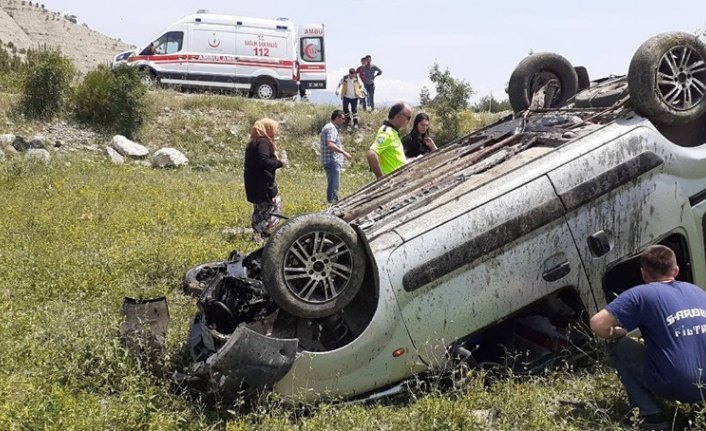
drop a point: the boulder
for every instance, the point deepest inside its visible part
(38, 154)
(168, 158)
(6, 140)
(128, 148)
(38, 142)
(20, 144)
(114, 156)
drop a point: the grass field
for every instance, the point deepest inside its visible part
(80, 233)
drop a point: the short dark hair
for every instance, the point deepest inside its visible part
(351, 70)
(363, 58)
(395, 109)
(658, 260)
(335, 114)
(368, 56)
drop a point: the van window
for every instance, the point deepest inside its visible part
(312, 49)
(169, 43)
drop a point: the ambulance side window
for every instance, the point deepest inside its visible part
(169, 43)
(312, 49)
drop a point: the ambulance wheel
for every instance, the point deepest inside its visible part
(265, 90)
(150, 79)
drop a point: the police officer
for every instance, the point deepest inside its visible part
(386, 154)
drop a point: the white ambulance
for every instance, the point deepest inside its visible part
(266, 58)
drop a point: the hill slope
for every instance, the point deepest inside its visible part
(32, 26)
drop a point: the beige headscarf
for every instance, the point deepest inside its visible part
(265, 128)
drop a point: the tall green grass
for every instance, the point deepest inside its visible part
(80, 233)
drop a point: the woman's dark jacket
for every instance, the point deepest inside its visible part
(260, 166)
(414, 145)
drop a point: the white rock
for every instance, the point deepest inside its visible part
(128, 148)
(114, 156)
(38, 154)
(6, 140)
(168, 158)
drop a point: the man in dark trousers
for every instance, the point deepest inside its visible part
(369, 72)
(671, 316)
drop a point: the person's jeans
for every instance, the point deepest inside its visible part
(370, 89)
(628, 358)
(333, 175)
(363, 102)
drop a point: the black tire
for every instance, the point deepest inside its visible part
(602, 95)
(535, 71)
(265, 90)
(151, 79)
(197, 278)
(582, 75)
(667, 78)
(313, 265)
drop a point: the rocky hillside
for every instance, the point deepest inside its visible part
(25, 24)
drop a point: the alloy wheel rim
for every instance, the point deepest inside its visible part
(681, 78)
(317, 267)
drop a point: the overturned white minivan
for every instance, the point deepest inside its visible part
(268, 58)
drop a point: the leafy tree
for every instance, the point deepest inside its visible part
(491, 104)
(452, 97)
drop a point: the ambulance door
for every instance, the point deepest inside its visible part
(165, 57)
(312, 58)
(212, 61)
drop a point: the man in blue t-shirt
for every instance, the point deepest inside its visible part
(671, 316)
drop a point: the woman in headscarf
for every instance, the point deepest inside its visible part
(261, 163)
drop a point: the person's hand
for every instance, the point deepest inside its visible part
(429, 142)
(336, 92)
(285, 163)
(617, 332)
(348, 155)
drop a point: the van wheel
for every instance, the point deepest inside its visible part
(313, 265)
(265, 90)
(150, 79)
(537, 70)
(667, 78)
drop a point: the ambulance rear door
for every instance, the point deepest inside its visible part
(312, 58)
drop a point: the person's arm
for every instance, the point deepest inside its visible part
(607, 326)
(340, 84)
(374, 163)
(429, 142)
(331, 145)
(264, 160)
(377, 71)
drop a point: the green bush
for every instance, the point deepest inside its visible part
(452, 98)
(47, 83)
(112, 99)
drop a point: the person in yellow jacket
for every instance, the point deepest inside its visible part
(387, 152)
(350, 89)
